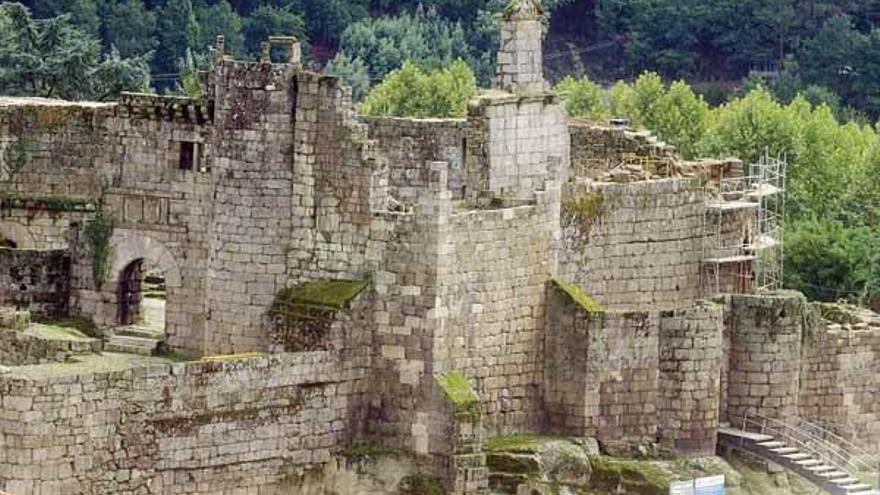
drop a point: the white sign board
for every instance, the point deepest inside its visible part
(713, 485)
(681, 488)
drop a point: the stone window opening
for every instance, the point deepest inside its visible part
(141, 297)
(189, 155)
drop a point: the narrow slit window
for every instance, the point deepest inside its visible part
(187, 156)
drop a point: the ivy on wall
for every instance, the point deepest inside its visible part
(98, 231)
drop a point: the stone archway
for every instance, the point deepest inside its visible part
(132, 253)
(16, 235)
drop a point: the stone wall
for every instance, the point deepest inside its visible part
(516, 139)
(618, 154)
(601, 372)
(690, 375)
(205, 428)
(520, 63)
(497, 265)
(764, 356)
(407, 144)
(36, 280)
(18, 348)
(840, 380)
(634, 246)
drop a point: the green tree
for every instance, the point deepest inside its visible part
(353, 71)
(423, 38)
(83, 13)
(267, 21)
(219, 19)
(828, 261)
(680, 117)
(52, 58)
(178, 31)
(412, 92)
(583, 98)
(128, 26)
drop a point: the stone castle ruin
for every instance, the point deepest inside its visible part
(331, 279)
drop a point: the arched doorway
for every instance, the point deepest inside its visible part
(141, 296)
(8, 243)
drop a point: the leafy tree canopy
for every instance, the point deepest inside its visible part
(52, 58)
(412, 92)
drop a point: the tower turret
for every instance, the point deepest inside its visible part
(519, 67)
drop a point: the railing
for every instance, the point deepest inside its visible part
(811, 438)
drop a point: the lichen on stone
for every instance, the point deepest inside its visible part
(578, 296)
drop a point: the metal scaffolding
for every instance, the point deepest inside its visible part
(743, 223)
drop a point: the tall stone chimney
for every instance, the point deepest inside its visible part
(520, 64)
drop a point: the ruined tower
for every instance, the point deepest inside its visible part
(519, 68)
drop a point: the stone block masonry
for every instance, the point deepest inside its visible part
(840, 380)
(224, 427)
(634, 246)
(765, 355)
(38, 281)
(690, 379)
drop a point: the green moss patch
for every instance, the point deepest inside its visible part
(80, 324)
(421, 484)
(578, 296)
(456, 388)
(302, 315)
(637, 477)
(520, 442)
(52, 204)
(321, 294)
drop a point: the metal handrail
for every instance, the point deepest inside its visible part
(831, 451)
(849, 456)
(781, 433)
(856, 450)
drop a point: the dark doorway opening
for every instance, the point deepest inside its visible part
(8, 243)
(141, 298)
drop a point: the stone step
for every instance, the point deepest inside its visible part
(849, 480)
(131, 345)
(862, 488)
(774, 444)
(808, 462)
(822, 468)
(798, 456)
(141, 332)
(831, 475)
(785, 450)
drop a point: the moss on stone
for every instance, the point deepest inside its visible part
(520, 442)
(81, 324)
(456, 388)
(578, 296)
(585, 210)
(636, 477)
(322, 294)
(421, 484)
(367, 450)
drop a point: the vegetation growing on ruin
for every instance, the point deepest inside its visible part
(98, 231)
(77, 322)
(578, 296)
(302, 315)
(585, 210)
(456, 388)
(52, 204)
(421, 484)
(365, 451)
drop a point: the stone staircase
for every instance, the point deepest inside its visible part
(135, 340)
(828, 467)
